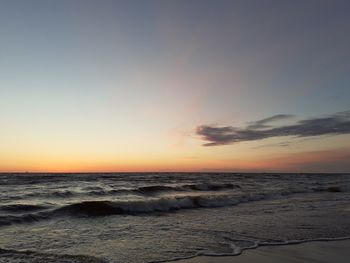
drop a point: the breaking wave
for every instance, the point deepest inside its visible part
(131, 207)
(150, 202)
(143, 190)
(135, 207)
(102, 208)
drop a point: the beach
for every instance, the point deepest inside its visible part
(311, 252)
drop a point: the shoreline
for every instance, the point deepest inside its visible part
(315, 251)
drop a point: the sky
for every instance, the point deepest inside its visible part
(206, 85)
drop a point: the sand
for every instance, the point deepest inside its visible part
(311, 252)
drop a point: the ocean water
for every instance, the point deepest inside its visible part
(157, 217)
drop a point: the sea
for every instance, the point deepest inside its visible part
(161, 217)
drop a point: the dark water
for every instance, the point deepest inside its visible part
(163, 216)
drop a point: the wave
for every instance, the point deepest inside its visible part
(155, 190)
(333, 189)
(143, 190)
(149, 204)
(254, 244)
(22, 213)
(26, 218)
(212, 186)
(57, 194)
(130, 207)
(187, 187)
(19, 208)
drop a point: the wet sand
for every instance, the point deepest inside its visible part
(312, 252)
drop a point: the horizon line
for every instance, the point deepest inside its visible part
(146, 172)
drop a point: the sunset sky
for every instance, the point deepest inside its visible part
(239, 86)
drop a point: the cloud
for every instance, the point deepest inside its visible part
(261, 124)
(338, 123)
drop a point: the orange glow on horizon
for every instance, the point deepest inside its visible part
(297, 162)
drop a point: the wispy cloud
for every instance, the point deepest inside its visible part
(338, 123)
(266, 123)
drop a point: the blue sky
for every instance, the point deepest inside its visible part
(102, 84)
